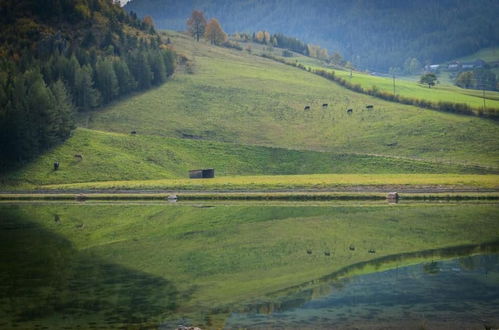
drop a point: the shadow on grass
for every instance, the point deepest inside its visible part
(45, 281)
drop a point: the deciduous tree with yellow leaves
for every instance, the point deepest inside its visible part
(214, 32)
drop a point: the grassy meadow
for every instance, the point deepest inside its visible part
(203, 260)
(145, 158)
(409, 87)
(488, 55)
(291, 182)
(244, 115)
(237, 97)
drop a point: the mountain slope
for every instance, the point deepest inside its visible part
(62, 56)
(237, 97)
(113, 156)
(244, 115)
(375, 34)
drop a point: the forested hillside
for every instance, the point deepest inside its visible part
(63, 56)
(374, 34)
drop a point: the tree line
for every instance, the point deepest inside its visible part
(460, 108)
(44, 83)
(373, 35)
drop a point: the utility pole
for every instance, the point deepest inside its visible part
(394, 84)
(483, 96)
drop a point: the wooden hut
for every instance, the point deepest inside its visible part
(207, 173)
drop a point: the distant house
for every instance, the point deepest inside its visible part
(432, 67)
(468, 65)
(454, 66)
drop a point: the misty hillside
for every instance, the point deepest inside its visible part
(376, 34)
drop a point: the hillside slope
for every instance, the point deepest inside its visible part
(237, 97)
(244, 115)
(114, 156)
(374, 34)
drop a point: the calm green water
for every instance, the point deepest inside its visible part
(250, 265)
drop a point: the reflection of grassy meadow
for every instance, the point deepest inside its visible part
(220, 255)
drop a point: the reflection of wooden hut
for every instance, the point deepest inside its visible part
(392, 197)
(207, 173)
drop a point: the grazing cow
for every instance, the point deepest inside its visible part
(370, 106)
(56, 166)
(133, 132)
(325, 105)
(349, 111)
(351, 247)
(372, 251)
(309, 251)
(327, 254)
(306, 107)
(79, 156)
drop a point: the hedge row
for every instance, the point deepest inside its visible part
(460, 108)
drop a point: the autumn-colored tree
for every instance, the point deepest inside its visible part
(214, 32)
(266, 36)
(197, 24)
(259, 36)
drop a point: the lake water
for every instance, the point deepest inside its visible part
(249, 265)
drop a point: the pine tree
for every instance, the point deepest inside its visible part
(125, 78)
(65, 109)
(86, 96)
(105, 80)
(157, 67)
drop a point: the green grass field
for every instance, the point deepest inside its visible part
(240, 98)
(487, 54)
(114, 156)
(444, 92)
(409, 86)
(290, 182)
(244, 115)
(147, 262)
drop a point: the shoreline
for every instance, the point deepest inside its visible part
(174, 196)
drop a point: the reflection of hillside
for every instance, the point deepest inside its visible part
(297, 296)
(45, 281)
(222, 257)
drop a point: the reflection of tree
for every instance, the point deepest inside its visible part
(431, 268)
(467, 263)
(45, 278)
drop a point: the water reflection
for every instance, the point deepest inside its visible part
(133, 265)
(44, 281)
(461, 293)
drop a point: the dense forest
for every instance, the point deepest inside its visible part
(63, 56)
(373, 34)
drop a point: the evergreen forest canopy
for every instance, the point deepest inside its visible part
(373, 34)
(63, 56)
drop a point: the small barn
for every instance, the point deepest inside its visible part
(207, 173)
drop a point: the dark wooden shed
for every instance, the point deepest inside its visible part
(207, 173)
